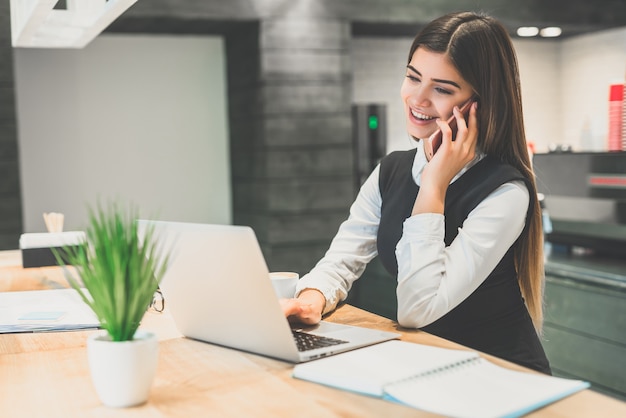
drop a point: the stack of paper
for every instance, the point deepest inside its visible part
(44, 310)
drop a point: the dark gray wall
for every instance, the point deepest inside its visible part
(10, 196)
(290, 125)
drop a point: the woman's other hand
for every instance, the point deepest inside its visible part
(306, 308)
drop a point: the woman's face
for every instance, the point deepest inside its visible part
(431, 88)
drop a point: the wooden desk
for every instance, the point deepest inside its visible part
(46, 375)
(13, 277)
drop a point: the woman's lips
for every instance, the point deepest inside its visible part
(420, 118)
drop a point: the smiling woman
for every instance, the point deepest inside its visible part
(461, 233)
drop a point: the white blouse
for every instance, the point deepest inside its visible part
(432, 278)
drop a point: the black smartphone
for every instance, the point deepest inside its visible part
(432, 144)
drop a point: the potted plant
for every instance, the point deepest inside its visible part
(117, 272)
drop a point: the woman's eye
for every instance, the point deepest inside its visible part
(442, 91)
(413, 78)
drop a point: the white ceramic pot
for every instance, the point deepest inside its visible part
(122, 371)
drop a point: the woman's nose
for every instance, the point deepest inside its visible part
(418, 97)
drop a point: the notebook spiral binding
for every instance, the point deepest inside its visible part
(439, 371)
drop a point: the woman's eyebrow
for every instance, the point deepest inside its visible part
(410, 67)
(436, 80)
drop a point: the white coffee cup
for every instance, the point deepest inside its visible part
(284, 283)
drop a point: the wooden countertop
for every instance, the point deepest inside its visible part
(46, 375)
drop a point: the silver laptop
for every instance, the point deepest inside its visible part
(218, 290)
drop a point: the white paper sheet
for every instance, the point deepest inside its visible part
(44, 310)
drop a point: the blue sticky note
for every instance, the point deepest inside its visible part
(41, 316)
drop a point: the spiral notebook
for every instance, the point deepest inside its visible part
(455, 383)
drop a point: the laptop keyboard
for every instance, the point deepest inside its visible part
(306, 341)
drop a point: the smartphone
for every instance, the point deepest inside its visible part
(432, 144)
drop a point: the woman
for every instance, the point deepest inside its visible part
(461, 232)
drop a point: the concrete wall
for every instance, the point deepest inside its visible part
(289, 106)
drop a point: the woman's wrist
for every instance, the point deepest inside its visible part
(429, 200)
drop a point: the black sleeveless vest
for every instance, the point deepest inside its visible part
(494, 318)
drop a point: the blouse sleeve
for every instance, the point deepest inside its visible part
(433, 278)
(351, 249)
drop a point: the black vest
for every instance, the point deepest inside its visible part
(494, 318)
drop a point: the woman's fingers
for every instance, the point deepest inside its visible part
(467, 131)
(297, 311)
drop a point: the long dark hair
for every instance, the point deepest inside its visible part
(481, 50)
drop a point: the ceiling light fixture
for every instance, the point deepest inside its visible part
(37, 24)
(527, 31)
(550, 32)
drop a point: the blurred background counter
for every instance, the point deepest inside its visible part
(585, 322)
(584, 200)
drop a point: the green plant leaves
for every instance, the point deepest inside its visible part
(119, 269)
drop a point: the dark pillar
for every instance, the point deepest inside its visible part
(290, 96)
(10, 195)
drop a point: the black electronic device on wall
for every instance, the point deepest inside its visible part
(369, 133)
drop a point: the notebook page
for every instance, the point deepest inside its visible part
(367, 370)
(482, 389)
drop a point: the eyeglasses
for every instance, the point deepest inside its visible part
(158, 302)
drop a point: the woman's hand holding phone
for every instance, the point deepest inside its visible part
(432, 144)
(457, 152)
